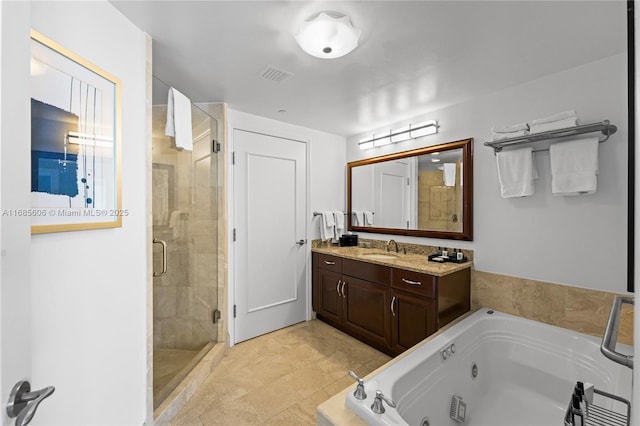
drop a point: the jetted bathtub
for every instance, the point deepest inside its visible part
(507, 370)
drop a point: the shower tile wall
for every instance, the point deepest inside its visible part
(185, 216)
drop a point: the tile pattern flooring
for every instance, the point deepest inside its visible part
(166, 364)
(279, 378)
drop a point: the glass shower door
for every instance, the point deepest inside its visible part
(184, 206)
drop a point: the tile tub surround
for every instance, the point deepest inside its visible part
(577, 309)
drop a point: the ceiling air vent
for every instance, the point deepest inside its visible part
(276, 75)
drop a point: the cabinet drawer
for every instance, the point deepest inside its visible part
(367, 271)
(414, 282)
(329, 263)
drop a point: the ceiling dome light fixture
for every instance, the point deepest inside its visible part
(328, 35)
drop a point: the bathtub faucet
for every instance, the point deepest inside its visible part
(377, 406)
(359, 393)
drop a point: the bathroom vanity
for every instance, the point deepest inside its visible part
(387, 300)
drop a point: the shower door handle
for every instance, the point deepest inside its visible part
(164, 258)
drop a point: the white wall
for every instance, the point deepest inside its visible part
(89, 288)
(579, 241)
(325, 176)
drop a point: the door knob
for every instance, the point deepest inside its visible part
(301, 242)
(23, 403)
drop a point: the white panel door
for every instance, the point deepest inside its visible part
(269, 221)
(15, 227)
(392, 197)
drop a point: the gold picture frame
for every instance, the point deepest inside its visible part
(76, 118)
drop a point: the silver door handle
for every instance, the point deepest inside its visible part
(164, 257)
(393, 301)
(301, 242)
(23, 403)
(338, 287)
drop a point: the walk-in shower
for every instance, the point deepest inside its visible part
(185, 206)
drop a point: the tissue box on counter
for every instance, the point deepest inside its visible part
(349, 240)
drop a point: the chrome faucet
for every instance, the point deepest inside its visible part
(359, 393)
(377, 406)
(394, 243)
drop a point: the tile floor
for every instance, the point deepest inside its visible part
(166, 364)
(279, 378)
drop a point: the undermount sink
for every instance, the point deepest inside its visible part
(380, 256)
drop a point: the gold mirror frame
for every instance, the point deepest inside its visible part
(467, 192)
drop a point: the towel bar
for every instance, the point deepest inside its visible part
(605, 127)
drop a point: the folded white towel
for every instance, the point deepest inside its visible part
(338, 229)
(368, 218)
(554, 125)
(179, 120)
(516, 172)
(500, 136)
(449, 173)
(327, 222)
(555, 117)
(574, 166)
(509, 128)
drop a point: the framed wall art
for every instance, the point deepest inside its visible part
(75, 142)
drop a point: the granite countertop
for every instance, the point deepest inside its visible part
(410, 261)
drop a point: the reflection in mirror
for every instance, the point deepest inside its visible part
(425, 192)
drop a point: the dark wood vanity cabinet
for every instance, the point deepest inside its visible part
(388, 308)
(413, 318)
(355, 305)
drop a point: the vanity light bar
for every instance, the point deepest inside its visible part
(405, 133)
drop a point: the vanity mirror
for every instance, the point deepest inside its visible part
(426, 192)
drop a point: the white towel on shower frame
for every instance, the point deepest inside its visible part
(179, 120)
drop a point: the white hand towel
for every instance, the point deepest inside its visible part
(499, 136)
(179, 120)
(449, 172)
(358, 218)
(368, 218)
(516, 172)
(574, 166)
(327, 222)
(510, 128)
(554, 125)
(338, 229)
(555, 117)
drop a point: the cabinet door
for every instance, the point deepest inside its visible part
(413, 318)
(366, 311)
(329, 303)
